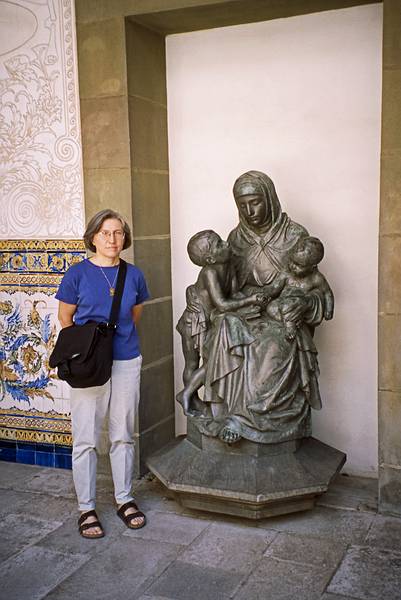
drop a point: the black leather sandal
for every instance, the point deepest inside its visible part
(83, 527)
(127, 519)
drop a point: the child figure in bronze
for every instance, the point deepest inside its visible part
(211, 292)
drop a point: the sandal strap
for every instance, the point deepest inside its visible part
(85, 515)
(124, 507)
(134, 515)
(86, 526)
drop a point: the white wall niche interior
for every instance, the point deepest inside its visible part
(300, 99)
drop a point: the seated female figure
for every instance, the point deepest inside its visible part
(263, 390)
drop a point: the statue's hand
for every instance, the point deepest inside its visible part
(192, 307)
(262, 299)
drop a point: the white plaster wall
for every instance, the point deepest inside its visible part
(299, 99)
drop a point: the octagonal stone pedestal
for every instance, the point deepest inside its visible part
(245, 479)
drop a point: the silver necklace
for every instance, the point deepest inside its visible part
(112, 289)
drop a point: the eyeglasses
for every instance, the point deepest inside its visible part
(107, 235)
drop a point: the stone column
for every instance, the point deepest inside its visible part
(147, 102)
(390, 267)
(104, 116)
(124, 132)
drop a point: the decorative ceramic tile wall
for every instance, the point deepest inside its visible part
(40, 150)
(34, 404)
(41, 217)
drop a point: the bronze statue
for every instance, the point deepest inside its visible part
(247, 330)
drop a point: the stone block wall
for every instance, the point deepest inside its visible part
(124, 132)
(390, 267)
(147, 105)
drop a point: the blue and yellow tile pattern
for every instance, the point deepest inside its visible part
(36, 266)
(34, 409)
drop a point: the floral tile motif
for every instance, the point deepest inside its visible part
(27, 343)
(32, 408)
(34, 405)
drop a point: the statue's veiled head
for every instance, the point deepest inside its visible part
(258, 205)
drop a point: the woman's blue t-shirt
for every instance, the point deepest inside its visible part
(85, 285)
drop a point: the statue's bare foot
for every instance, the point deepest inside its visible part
(199, 407)
(192, 412)
(229, 435)
(290, 336)
(185, 400)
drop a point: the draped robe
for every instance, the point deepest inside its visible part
(264, 383)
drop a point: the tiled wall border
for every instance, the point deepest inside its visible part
(45, 455)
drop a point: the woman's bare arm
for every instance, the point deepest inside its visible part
(65, 313)
(137, 312)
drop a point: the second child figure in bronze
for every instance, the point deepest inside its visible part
(259, 380)
(302, 277)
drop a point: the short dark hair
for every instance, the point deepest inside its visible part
(199, 247)
(96, 223)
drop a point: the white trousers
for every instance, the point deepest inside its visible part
(119, 397)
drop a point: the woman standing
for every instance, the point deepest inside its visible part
(86, 294)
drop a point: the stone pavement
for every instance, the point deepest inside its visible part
(341, 550)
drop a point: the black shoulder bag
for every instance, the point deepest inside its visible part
(83, 354)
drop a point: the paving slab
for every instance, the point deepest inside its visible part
(385, 532)
(183, 581)
(327, 596)
(36, 504)
(67, 536)
(186, 555)
(19, 531)
(278, 580)
(307, 550)
(104, 486)
(50, 507)
(52, 481)
(146, 597)
(345, 526)
(12, 501)
(167, 527)
(42, 570)
(151, 495)
(11, 477)
(124, 570)
(234, 548)
(368, 573)
(356, 485)
(351, 493)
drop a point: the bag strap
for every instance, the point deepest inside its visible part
(115, 307)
